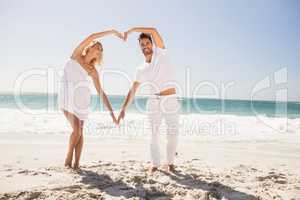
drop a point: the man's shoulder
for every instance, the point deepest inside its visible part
(161, 51)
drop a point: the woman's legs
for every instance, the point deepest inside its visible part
(78, 150)
(75, 141)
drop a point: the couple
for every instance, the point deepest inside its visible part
(156, 72)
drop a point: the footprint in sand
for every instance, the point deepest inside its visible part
(7, 166)
(276, 178)
(59, 169)
(33, 173)
(71, 189)
(21, 195)
(253, 169)
(7, 170)
(297, 187)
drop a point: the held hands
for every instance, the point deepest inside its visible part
(121, 116)
(124, 37)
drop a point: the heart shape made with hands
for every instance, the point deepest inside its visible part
(124, 37)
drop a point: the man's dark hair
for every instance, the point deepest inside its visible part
(145, 36)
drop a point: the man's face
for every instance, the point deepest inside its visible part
(146, 46)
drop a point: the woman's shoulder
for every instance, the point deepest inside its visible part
(69, 64)
(71, 61)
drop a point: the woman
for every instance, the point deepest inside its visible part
(74, 96)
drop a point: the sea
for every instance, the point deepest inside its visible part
(188, 105)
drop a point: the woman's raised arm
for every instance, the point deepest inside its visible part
(78, 50)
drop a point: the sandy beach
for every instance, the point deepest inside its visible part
(150, 100)
(238, 166)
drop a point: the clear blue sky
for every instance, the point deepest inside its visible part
(220, 41)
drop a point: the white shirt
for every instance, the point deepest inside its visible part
(158, 74)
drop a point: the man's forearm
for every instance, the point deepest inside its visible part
(128, 99)
(153, 32)
(143, 29)
(130, 95)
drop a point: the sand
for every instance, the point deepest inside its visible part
(117, 169)
(241, 166)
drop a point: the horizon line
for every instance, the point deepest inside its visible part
(144, 96)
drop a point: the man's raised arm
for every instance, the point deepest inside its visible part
(152, 31)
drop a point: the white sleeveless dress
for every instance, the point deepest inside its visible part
(74, 95)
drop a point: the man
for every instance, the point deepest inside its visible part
(156, 72)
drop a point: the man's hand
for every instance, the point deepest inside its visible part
(125, 36)
(114, 118)
(128, 99)
(121, 116)
(127, 33)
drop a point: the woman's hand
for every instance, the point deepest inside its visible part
(118, 34)
(114, 118)
(92, 72)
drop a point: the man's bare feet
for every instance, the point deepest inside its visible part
(169, 168)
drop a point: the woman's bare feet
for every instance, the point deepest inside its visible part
(152, 169)
(68, 162)
(76, 166)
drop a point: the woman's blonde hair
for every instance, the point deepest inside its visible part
(88, 47)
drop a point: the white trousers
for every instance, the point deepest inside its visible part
(167, 108)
